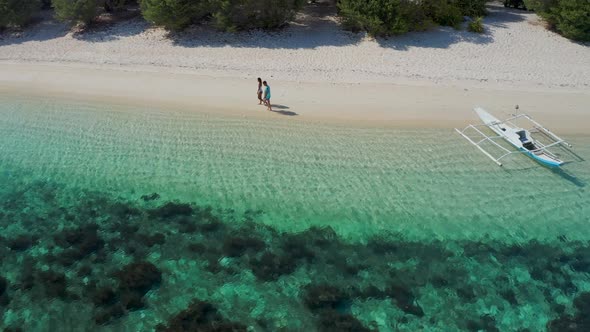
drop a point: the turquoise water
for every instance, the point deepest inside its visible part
(118, 218)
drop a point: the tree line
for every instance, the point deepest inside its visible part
(570, 18)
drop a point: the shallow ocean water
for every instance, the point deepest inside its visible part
(117, 218)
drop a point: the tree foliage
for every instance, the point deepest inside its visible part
(228, 15)
(392, 17)
(175, 14)
(383, 17)
(17, 12)
(76, 10)
(570, 18)
(231, 15)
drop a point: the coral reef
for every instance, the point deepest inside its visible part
(108, 254)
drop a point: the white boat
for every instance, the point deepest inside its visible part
(518, 137)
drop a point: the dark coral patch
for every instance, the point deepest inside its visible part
(104, 296)
(203, 317)
(578, 322)
(108, 314)
(297, 247)
(170, 210)
(4, 299)
(3, 285)
(235, 246)
(405, 300)
(78, 243)
(139, 277)
(270, 267)
(54, 283)
(333, 321)
(322, 297)
(485, 323)
(123, 210)
(21, 242)
(151, 240)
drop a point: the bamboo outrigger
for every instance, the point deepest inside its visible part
(518, 137)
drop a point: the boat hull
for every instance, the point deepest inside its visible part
(510, 134)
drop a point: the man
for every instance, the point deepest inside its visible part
(267, 95)
(259, 91)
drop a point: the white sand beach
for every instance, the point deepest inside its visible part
(317, 70)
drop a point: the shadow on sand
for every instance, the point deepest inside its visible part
(316, 26)
(282, 109)
(443, 37)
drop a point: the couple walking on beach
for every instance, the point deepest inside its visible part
(263, 93)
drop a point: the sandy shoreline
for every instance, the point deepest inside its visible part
(379, 104)
(317, 71)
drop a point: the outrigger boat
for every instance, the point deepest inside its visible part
(518, 137)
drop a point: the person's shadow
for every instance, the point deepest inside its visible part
(282, 109)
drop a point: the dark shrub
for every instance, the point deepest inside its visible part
(174, 14)
(515, 4)
(540, 6)
(17, 12)
(394, 17)
(75, 11)
(383, 17)
(570, 18)
(232, 15)
(472, 8)
(445, 13)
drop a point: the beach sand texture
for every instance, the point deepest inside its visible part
(515, 51)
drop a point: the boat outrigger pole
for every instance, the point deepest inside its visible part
(516, 136)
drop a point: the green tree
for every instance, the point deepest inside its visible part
(572, 19)
(383, 17)
(540, 6)
(175, 14)
(472, 8)
(17, 12)
(232, 15)
(76, 10)
(444, 12)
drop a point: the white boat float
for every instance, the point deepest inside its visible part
(516, 136)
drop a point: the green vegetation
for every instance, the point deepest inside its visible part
(83, 11)
(570, 18)
(228, 15)
(17, 12)
(113, 5)
(476, 25)
(393, 17)
(472, 8)
(383, 17)
(175, 14)
(232, 15)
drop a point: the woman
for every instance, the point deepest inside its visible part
(267, 95)
(259, 91)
